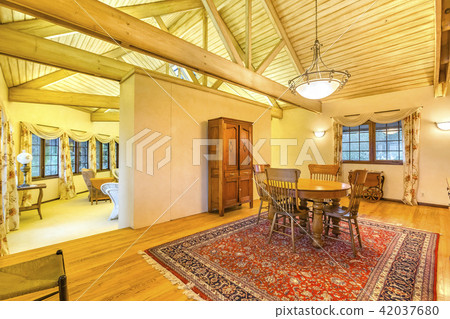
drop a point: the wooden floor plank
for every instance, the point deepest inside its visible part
(132, 278)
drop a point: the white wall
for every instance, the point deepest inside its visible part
(53, 115)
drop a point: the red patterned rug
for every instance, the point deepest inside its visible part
(235, 262)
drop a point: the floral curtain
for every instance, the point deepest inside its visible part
(93, 154)
(25, 145)
(337, 138)
(66, 185)
(112, 155)
(9, 216)
(411, 131)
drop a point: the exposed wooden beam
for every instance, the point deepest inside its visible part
(205, 40)
(217, 84)
(35, 49)
(273, 16)
(63, 98)
(161, 24)
(192, 76)
(437, 59)
(44, 28)
(105, 117)
(141, 37)
(445, 16)
(276, 112)
(248, 33)
(270, 57)
(47, 79)
(63, 74)
(223, 31)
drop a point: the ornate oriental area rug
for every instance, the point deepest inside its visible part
(236, 262)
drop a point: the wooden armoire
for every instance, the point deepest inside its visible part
(230, 180)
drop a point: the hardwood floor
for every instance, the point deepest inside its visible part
(131, 278)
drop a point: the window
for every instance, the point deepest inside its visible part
(102, 156)
(45, 157)
(79, 155)
(373, 143)
(117, 155)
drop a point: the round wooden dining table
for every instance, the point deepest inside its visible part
(318, 192)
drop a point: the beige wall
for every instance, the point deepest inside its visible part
(434, 160)
(434, 163)
(172, 112)
(53, 115)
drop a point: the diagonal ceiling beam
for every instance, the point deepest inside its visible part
(63, 74)
(223, 31)
(270, 57)
(44, 28)
(276, 22)
(144, 38)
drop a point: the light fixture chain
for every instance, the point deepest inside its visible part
(317, 36)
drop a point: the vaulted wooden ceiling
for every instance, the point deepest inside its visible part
(386, 45)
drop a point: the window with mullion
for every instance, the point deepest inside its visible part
(373, 143)
(79, 155)
(102, 156)
(45, 157)
(117, 155)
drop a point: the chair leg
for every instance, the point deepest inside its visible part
(327, 225)
(352, 238)
(259, 211)
(292, 234)
(63, 293)
(358, 233)
(273, 225)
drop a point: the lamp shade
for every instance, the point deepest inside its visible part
(24, 158)
(318, 89)
(319, 133)
(445, 126)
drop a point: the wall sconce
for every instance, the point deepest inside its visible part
(445, 126)
(319, 134)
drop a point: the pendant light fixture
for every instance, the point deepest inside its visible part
(318, 81)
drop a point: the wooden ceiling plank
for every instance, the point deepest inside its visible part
(44, 28)
(63, 98)
(4, 64)
(438, 89)
(105, 117)
(142, 37)
(276, 22)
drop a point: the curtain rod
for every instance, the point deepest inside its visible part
(379, 112)
(59, 127)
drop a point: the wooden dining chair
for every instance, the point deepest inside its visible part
(324, 172)
(259, 173)
(348, 214)
(282, 185)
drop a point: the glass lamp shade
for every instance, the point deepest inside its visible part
(318, 89)
(24, 158)
(445, 126)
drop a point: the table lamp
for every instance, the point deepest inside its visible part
(24, 159)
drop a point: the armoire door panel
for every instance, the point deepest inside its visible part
(230, 138)
(245, 157)
(231, 191)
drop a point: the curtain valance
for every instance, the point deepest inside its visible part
(382, 118)
(49, 133)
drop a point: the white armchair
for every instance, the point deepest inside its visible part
(112, 190)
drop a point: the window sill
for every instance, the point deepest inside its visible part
(44, 178)
(374, 162)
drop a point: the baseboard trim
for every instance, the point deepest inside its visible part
(420, 203)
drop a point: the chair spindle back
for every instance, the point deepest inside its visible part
(259, 171)
(324, 172)
(357, 182)
(282, 185)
